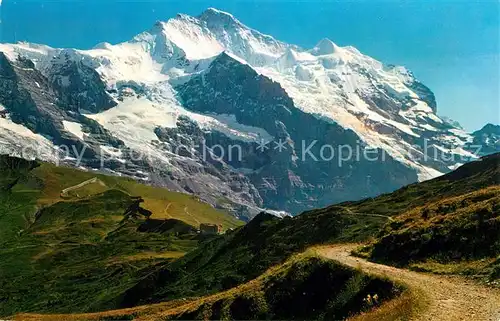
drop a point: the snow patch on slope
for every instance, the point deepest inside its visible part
(17, 140)
(135, 120)
(74, 128)
(39, 54)
(194, 39)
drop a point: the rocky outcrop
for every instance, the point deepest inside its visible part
(292, 177)
(78, 86)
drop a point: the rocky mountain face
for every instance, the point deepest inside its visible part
(209, 106)
(487, 138)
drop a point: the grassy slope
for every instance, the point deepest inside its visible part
(304, 287)
(456, 235)
(449, 225)
(246, 253)
(163, 203)
(81, 253)
(467, 178)
(266, 241)
(463, 226)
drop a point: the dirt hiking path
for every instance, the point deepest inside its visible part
(446, 298)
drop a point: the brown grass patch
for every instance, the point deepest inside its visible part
(145, 256)
(402, 308)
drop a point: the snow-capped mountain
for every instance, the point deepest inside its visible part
(293, 123)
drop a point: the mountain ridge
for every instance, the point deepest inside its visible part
(119, 101)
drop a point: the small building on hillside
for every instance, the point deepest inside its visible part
(207, 228)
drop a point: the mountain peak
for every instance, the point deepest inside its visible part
(325, 47)
(158, 27)
(288, 59)
(217, 11)
(216, 15)
(490, 128)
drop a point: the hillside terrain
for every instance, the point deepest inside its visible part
(50, 183)
(306, 286)
(244, 254)
(448, 225)
(76, 241)
(79, 250)
(265, 241)
(171, 272)
(470, 177)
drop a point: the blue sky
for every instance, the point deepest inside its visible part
(452, 46)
